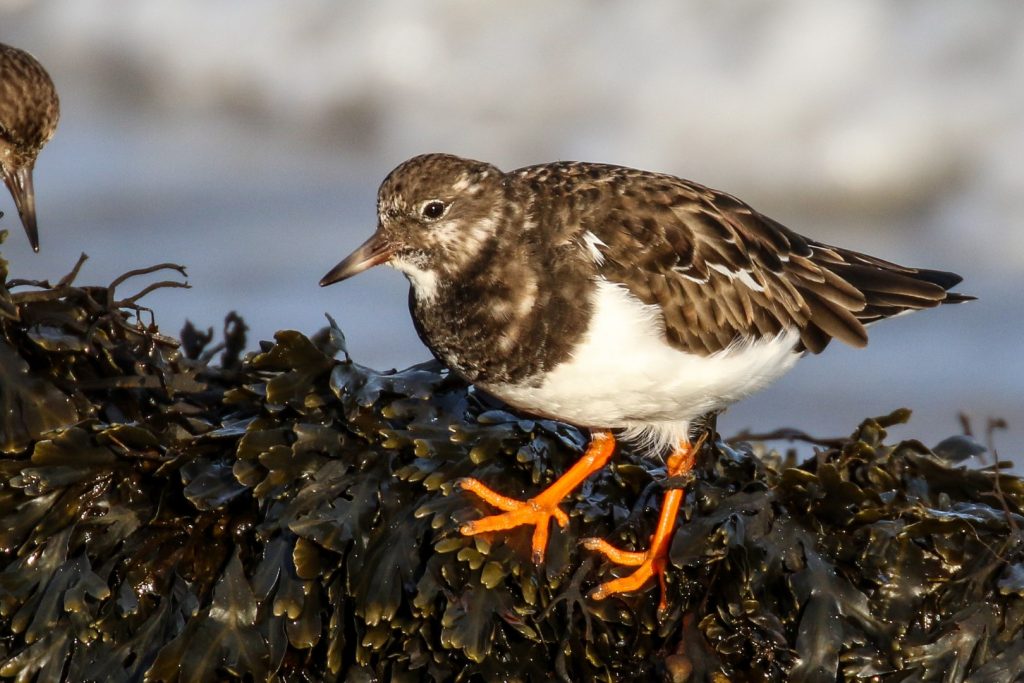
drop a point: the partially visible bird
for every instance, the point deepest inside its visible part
(613, 298)
(29, 110)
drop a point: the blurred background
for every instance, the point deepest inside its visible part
(246, 139)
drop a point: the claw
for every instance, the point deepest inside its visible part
(653, 561)
(517, 513)
(542, 507)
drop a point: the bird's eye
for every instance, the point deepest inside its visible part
(432, 210)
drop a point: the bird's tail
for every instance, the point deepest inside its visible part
(891, 289)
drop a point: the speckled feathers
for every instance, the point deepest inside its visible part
(508, 271)
(29, 108)
(718, 270)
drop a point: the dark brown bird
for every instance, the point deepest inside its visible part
(613, 298)
(29, 110)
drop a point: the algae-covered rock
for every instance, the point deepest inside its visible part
(292, 515)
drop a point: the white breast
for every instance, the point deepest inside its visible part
(624, 374)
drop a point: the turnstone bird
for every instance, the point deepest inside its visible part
(29, 110)
(616, 299)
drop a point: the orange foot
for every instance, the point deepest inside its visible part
(542, 507)
(652, 561)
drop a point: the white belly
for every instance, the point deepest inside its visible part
(623, 374)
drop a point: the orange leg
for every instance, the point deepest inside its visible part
(542, 507)
(652, 561)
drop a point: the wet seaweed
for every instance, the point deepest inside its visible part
(289, 514)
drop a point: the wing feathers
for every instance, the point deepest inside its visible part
(720, 272)
(836, 321)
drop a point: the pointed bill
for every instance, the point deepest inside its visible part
(19, 182)
(370, 253)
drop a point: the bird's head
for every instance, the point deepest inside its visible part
(29, 110)
(436, 214)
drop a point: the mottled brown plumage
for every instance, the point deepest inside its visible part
(29, 110)
(616, 298)
(718, 271)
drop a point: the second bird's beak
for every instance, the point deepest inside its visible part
(19, 182)
(370, 253)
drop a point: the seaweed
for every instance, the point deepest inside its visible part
(289, 514)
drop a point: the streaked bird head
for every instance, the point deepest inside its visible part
(29, 110)
(435, 214)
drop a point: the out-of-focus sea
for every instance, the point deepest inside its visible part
(246, 139)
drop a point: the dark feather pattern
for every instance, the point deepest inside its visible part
(504, 282)
(720, 271)
(29, 107)
(29, 110)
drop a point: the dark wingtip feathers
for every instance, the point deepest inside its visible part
(958, 298)
(942, 278)
(947, 281)
(888, 290)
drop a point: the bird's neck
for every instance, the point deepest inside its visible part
(481, 321)
(514, 311)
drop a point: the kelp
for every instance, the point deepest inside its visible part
(177, 510)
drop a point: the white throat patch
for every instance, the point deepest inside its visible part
(424, 282)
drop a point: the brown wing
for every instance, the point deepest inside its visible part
(721, 272)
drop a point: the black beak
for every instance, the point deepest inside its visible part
(19, 182)
(370, 253)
